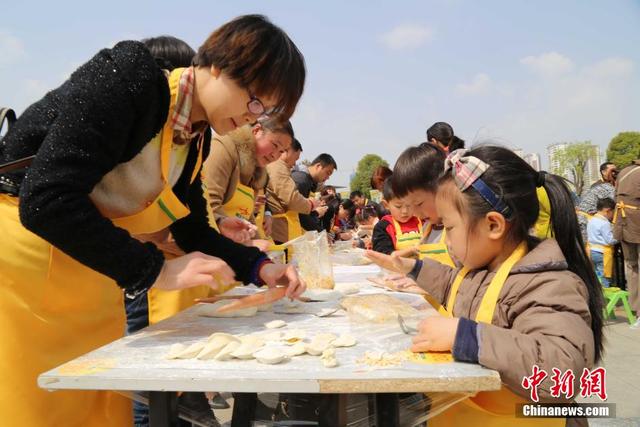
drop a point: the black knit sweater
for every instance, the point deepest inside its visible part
(103, 116)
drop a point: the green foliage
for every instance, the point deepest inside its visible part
(362, 180)
(572, 162)
(624, 148)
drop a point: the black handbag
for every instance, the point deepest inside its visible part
(8, 117)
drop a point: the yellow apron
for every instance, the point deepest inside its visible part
(407, 240)
(163, 304)
(607, 255)
(294, 228)
(620, 207)
(54, 309)
(438, 252)
(241, 204)
(490, 408)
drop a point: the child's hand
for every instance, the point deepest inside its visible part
(435, 333)
(391, 262)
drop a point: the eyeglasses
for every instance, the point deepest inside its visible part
(256, 107)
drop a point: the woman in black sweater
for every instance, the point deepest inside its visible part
(116, 176)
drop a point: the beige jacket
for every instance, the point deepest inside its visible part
(628, 191)
(231, 160)
(283, 196)
(542, 316)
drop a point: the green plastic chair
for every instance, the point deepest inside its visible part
(614, 295)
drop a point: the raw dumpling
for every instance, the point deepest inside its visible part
(175, 350)
(344, 340)
(248, 345)
(215, 344)
(210, 310)
(275, 324)
(270, 356)
(296, 349)
(294, 336)
(329, 358)
(227, 352)
(192, 351)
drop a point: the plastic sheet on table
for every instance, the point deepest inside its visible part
(351, 256)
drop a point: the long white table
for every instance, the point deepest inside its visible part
(137, 362)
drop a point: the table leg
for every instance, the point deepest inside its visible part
(163, 409)
(387, 409)
(244, 409)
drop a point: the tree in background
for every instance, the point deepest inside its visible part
(572, 162)
(362, 179)
(624, 148)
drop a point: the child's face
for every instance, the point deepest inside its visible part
(225, 103)
(469, 245)
(401, 209)
(424, 205)
(343, 213)
(269, 145)
(608, 213)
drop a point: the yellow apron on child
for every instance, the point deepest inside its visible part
(436, 251)
(54, 309)
(490, 408)
(409, 239)
(607, 257)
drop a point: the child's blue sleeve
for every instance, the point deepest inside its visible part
(465, 346)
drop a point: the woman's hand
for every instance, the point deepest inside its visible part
(436, 333)
(236, 229)
(283, 275)
(194, 269)
(391, 262)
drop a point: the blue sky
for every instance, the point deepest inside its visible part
(524, 73)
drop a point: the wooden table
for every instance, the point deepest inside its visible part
(137, 362)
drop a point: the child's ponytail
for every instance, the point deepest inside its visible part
(567, 233)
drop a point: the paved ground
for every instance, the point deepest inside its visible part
(622, 361)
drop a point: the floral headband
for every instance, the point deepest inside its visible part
(466, 172)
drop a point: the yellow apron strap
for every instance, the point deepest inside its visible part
(621, 206)
(490, 298)
(454, 290)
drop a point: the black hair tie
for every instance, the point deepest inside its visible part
(540, 178)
